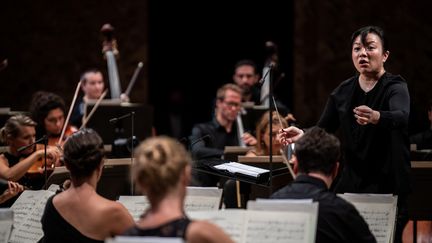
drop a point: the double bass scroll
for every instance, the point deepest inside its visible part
(110, 50)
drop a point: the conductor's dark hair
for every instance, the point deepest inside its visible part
(317, 151)
(83, 153)
(364, 31)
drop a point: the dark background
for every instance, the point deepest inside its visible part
(189, 50)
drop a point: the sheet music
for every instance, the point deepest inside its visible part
(235, 167)
(275, 227)
(288, 205)
(232, 221)
(53, 188)
(197, 199)
(261, 226)
(379, 211)
(203, 199)
(135, 239)
(136, 205)
(28, 209)
(6, 221)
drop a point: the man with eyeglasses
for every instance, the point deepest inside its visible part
(221, 131)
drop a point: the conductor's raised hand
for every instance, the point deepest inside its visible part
(365, 115)
(289, 135)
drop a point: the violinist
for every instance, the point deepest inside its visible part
(19, 131)
(92, 84)
(48, 110)
(262, 146)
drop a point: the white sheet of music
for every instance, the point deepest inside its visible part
(378, 210)
(203, 199)
(306, 207)
(6, 221)
(135, 239)
(28, 210)
(232, 221)
(136, 205)
(261, 226)
(197, 199)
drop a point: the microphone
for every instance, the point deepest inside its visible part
(45, 137)
(116, 119)
(269, 68)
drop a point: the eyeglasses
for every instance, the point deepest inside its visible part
(232, 104)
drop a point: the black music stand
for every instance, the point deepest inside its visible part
(111, 133)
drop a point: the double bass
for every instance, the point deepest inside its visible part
(110, 51)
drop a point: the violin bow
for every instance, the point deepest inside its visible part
(284, 157)
(134, 78)
(278, 116)
(87, 118)
(287, 163)
(69, 113)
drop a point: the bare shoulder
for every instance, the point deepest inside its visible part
(203, 231)
(116, 209)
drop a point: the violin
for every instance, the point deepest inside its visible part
(55, 140)
(37, 168)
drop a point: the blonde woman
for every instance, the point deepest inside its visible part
(162, 171)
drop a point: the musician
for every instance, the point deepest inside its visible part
(19, 131)
(79, 214)
(9, 190)
(316, 162)
(162, 171)
(92, 84)
(246, 77)
(262, 146)
(223, 128)
(48, 110)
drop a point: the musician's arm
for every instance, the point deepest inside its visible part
(17, 171)
(200, 149)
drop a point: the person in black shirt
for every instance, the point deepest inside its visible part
(92, 84)
(80, 214)
(246, 77)
(15, 164)
(316, 162)
(222, 129)
(371, 110)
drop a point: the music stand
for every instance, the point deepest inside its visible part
(143, 115)
(115, 179)
(57, 177)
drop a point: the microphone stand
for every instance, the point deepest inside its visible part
(132, 149)
(45, 161)
(270, 83)
(115, 120)
(45, 143)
